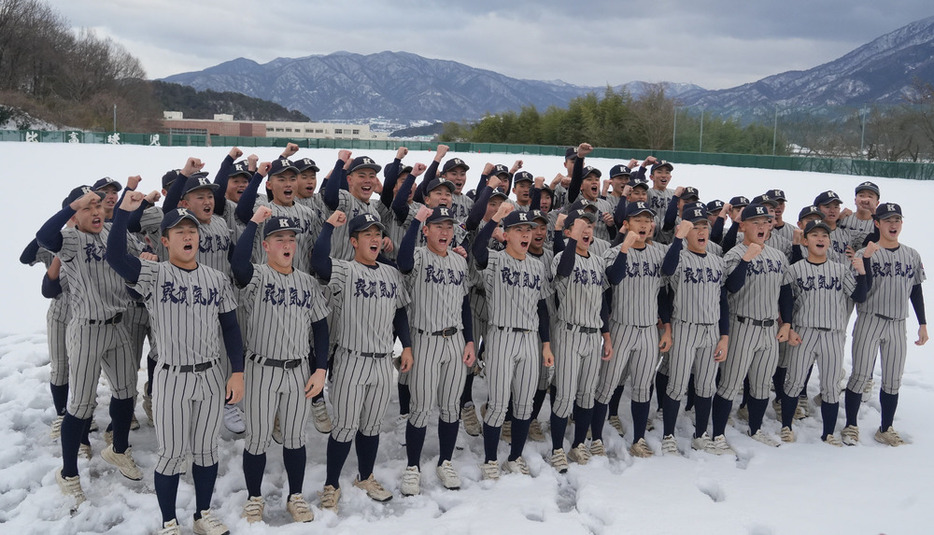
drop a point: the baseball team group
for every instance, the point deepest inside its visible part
(265, 311)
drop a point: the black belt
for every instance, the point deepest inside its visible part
(373, 355)
(757, 323)
(514, 329)
(111, 321)
(139, 304)
(886, 318)
(188, 368)
(583, 330)
(284, 364)
(450, 331)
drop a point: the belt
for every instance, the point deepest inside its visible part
(111, 321)
(823, 329)
(583, 330)
(373, 355)
(139, 304)
(284, 364)
(450, 331)
(757, 323)
(514, 329)
(886, 318)
(188, 368)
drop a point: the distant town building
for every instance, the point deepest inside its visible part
(225, 125)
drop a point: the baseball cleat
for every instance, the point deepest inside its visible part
(649, 424)
(233, 419)
(505, 433)
(597, 448)
(329, 497)
(517, 467)
(55, 429)
(759, 436)
(373, 489)
(787, 434)
(801, 411)
(777, 407)
(299, 509)
(742, 414)
(719, 446)
(277, 430)
(670, 446)
(208, 524)
(411, 481)
(867, 391)
(71, 486)
(147, 403)
(579, 454)
(618, 425)
(123, 461)
(641, 449)
(253, 509)
(490, 470)
(170, 528)
(536, 433)
(817, 400)
(470, 420)
(701, 443)
(559, 460)
(850, 435)
(109, 436)
(84, 450)
(134, 423)
(832, 440)
(889, 436)
(93, 427)
(448, 476)
(322, 421)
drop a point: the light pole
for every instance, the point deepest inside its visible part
(700, 144)
(674, 131)
(775, 131)
(115, 118)
(862, 135)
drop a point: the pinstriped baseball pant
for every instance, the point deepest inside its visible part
(360, 392)
(58, 352)
(268, 391)
(872, 337)
(635, 350)
(186, 411)
(577, 365)
(692, 353)
(437, 377)
(93, 348)
(512, 367)
(824, 347)
(752, 351)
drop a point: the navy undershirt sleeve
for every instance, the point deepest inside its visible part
(232, 340)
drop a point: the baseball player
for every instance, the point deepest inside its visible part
(455, 171)
(821, 289)
(860, 223)
(700, 331)
(579, 282)
(189, 305)
(754, 312)
(778, 222)
(514, 284)
(285, 313)
(585, 184)
(896, 277)
(634, 273)
(369, 299)
(95, 338)
(829, 204)
(360, 177)
(442, 340)
(659, 196)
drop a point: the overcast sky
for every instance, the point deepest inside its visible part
(712, 43)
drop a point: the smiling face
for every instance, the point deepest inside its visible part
(439, 236)
(280, 250)
(440, 196)
(306, 183)
(889, 230)
(458, 176)
(110, 200)
(756, 229)
(181, 241)
(639, 194)
(283, 187)
(362, 183)
(586, 238)
(590, 187)
(641, 225)
(90, 219)
(698, 236)
(867, 200)
(201, 204)
(367, 245)
(539, 235)
(660, 178)
(235, 187)
(518, 238)
(818, 243)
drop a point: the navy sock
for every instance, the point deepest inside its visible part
(757, 413)
(582, 419)
(721, 413)
(121, 413)
(166, 493)
(367, 447)
(150, 372)
(828, 412)
(490, 442)
(615, 399)
(253, 468)
(661, 388)
(59, 397)
(689, 399)
(746, 396)
(596, 422)
(701, 414)
(337, 456)
(204, 478)
(670, 415)
(789, 405)
(552, 393)
(72, 431)
(447, 439)
(852, 401)
(509, 417)
(889, 403)
(405, 398)
(294, 461)
(520, 432)
(414, 440)
(778, 382)
(467, 393)
(558, 426)
(319, 397)
(640, 416)
(804, 389)
(538, 400)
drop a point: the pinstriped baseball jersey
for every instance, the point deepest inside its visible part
(580, 295)
(513, 289)
(437, 286)
(58, 307)
(697, 279)
(461, 207)
(600, 229)
(396, 230)
(98, 293)
(840, 238)
(365, 299)
(658, 201)
(280, 310)
(714, 248)
(894, 273)
(214, 244)
(316, 203)
(310, 225)
(352, 206)
(546, 258)
(635, 298)
(774, 241)
(183, 310)
(822, 294)
(758, 298)
(787, 231)
(859, 229)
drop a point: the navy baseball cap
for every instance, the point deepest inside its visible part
(826, 197)
(620, 170)
(104, 182)
(570, 153)
(582, 203)
(499, 169)
(517, 217)
(499, 193)
(661, 163)
(739, 201)
(199, 181)
(777, 194)
(590, 170)
(690, 192)
(714, 205)
(439, 214)
(363, 222)
(808, 211)
(406, 170)
(753, 211)
(868, 186)
(281, 165)
(817, 223)
(240, 168)
(364, 162)
(638, 182)
(439, 182)
(168, 178)
(305, 164)
(522, 176)
(574, 215)
(635, 208)
(694, 212)
(280, 224)
(765, 198)
(174, 217)
(79, 192)
(454, 163)
(538, 214)
(887, 209)
(548, 191)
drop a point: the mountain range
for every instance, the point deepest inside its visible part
(405, 87)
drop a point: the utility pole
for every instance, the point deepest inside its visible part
(700, 145)
(115, 118)
(775, 131)
(674, 131)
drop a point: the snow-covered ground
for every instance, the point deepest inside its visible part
(805, 487)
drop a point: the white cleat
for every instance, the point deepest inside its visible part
(55, 429)
(170, 528)
(123, 461)
(70, 486)
(579, 454)
(208, 524)
(719, 446)
(329, 497)
(763, 438)
(411, 481)
(253, 509)
(490, 470)
(374, 489)
(233, 419)
(670, 446)
(299, 509)
(701, 443)
(470, 420)
(597, 449)
(559, 460)
(319, 410)
(787, 434)
(889, 436)
(618, 425)
(850, 435)
(517, 467)
(448, 476)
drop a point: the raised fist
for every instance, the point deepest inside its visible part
(504, 209)
(494, 182)
(192, 166)
(441, 151)
(262, 214)
(423, 213)
(337, 219)
(401, 152)
(683, 228)
(290, 149)
(418, 169)
(344, 155)
(584, 149)
(264, 168)
(538, 182)
(752, 251)
(870, 249)
(235, 153)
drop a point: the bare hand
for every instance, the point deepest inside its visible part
(666, 341)
(407, 360)
(290, 149)
(344, 155)
(649, 160)
(752, 251)
(870, 249)
(131, 201)
(499, 235)
(441, 151)
(148, 256)
(607, 347)
(262, 214)
(538, 182)
(401, 152)
(577, 229)
(235, 388)
(153, 196)
(857, 264)
(423, 213)
(683, 228)
(548, 358)
(494, 182)
(133, 181)
(315, 383)
(461, 251)
(678, 191)
(515, 167)
(504, 209)
(628, 241)
(264, 168)
(719, 352)
(235, 153)
(470, 355)
(192, 166)
(387, 244)
(487, 168)
(608, 219)
(783, 332)
(252, 160)
(922, 335)
(846, 212)
(337, 219)
(559, 222)
(726, 210)
(798, 237)
(418, 169)
(584, 149)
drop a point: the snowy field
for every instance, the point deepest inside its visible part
(805, 487)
